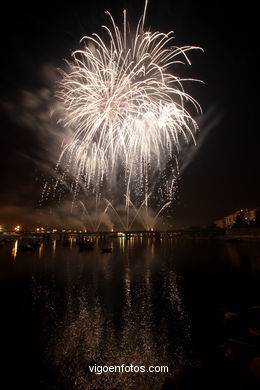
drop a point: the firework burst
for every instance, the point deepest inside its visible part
(126, 108)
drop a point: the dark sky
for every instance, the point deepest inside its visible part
(222, 174)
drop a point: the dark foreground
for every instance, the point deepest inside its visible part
(190, 305)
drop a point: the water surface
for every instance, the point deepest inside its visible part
(146, 303)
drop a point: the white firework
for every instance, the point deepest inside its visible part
(127, 110)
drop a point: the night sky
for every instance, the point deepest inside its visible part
(220, 175)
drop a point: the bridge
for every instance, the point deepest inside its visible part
(104, 235)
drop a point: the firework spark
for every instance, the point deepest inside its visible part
(126, 108)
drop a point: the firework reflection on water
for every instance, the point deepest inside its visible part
(110, 316)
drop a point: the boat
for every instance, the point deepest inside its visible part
(25, 248)
(106, 250)
(66, 243)
(232, 240)
(34, 244)
(86, 245)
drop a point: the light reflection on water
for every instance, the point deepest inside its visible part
(14, 249)
(109, 316)
(40, 249)
(125, 307)
(54, 247)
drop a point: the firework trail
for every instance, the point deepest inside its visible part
(126, 109)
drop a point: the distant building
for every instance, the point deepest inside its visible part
(230, 220)
(250, 215)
